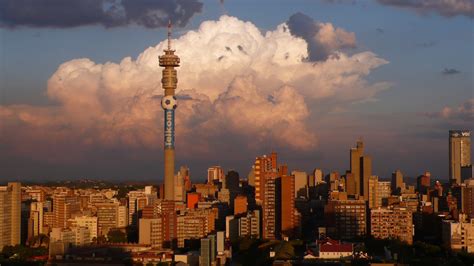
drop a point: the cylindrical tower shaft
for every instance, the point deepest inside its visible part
(169, 83)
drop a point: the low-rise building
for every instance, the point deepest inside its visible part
(459, 235)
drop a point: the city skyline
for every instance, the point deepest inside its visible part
(306, 85)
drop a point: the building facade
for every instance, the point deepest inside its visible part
(394, 223)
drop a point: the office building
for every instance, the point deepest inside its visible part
(423, 183)
(192, 200)
(272, 209)
(397, 183)
(392, 223)
(64, 206)
(107, 217)
(264, 168)
(205, 258)
(215, 174)
(467, 198)
(36, 225)
(458, 236)
(88, 222)
(350, 184)
(179, 188)
(301, 184)
(361, 169)
(10, 216)
(346, 219)
(151, 232)
(460, 166)
(194, 224)
(288, 221)
(318, 176)
(240, 205)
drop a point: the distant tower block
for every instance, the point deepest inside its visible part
(169, 82)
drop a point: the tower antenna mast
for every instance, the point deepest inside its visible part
(169, 34)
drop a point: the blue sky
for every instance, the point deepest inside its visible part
(418, 47)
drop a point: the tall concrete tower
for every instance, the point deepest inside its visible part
(169, 82)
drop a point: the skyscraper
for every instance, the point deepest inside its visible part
(361, 169)
(169, 82)
(397, 183)
(288, 221)
(264, 169)
(215, 173)
(10, 215)
(272, 208)
(460, 167)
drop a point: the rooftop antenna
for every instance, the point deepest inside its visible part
(169, 34)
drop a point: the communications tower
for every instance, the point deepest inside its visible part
(169, 82)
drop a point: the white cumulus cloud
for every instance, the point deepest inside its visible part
(235, 85)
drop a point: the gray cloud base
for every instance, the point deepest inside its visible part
(108, 13)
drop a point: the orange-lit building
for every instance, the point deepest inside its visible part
(288, 224)
(271, 220)
(264, 168)
(240, 205)
(193, 199)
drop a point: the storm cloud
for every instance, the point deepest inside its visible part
(108, 13)
(323, 38)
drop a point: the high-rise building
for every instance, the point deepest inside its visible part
(10, 215)
(151, 232)
(288, 221)
(318, 176)
(193, 199)
(179, 189)
(36, 219)
(205, 258)
(244, 226)
(392, 223)
(107, 217)
(301, 183)
(64, 206)
(397, 184)
(272, 209)
(184, 171)
(423, 183)
(122, 216)
(350, 184)
(361, 169)
(215, 173)
(460, 166)
(169, 83)
(263, 169)
(355, 165)
(467, 198)
(194, 224)
(240, 205)
(372, 195)
(347, 218)
(365, 174)
(137, 200)
(384, 191)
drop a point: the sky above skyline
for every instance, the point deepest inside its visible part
(80, 85)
